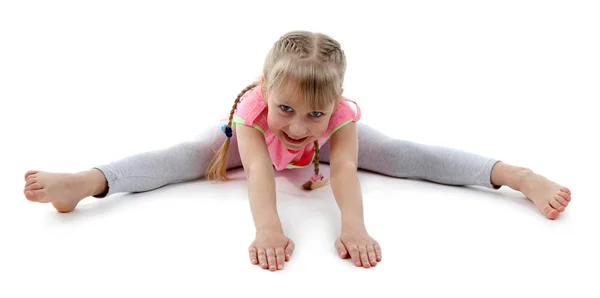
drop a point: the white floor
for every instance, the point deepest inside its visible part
(93, 84)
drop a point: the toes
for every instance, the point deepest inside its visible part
(364, 257)
(557, 205)
(355, 255)
(289, 250)
(566, 190)
(271, 259)
(262, 258)
(372, 255)
(252, 254)
(30, 180)
(341, 249)
(29, 195)
(280, 257)
(561, 199)
(36, 195)
(33, 184)
(31, 177)
(30, 173)
(565, 195)
(550, 212)
(377, 252)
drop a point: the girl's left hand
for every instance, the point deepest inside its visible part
(363, 249)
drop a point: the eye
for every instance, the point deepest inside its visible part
(285, 108)
(316, 114)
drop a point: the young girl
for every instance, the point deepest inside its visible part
(295, 116)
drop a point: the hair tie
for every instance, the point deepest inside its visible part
(227, 130)
(316, 178)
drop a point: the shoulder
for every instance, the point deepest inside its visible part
(251, 110)
(250, 106)
(346, 111)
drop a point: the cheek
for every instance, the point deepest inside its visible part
(276, 122)
(319, 129)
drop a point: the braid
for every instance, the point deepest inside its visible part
(316, 180)
(237, 100)
(297, 43)
(217, 168)
(317, 157)
(329, 50)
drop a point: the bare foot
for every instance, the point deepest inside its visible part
(549, 197)
(63, 190)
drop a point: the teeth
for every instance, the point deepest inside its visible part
(296, 139)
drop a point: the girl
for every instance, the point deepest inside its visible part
(295, 115)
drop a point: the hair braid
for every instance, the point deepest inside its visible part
(316, 180)
(317, 158)
(237, 100)
(217, 169)
(330, 50)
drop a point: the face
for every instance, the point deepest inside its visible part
(292, 120)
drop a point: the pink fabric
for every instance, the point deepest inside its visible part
(253, 109)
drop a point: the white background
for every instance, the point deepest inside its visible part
(83, 83)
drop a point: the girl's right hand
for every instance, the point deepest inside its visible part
(271, 249)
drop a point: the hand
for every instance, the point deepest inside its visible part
(363, 249)
(271, 249)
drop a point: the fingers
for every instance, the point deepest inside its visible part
(289, 249)
(363, 253)
(262, 258)
(253, 255)
(280, 256)
(341, 249)
(271, 259)
(271, 256)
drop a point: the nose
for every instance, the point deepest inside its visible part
(297, 130)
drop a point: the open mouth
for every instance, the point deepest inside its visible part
(292, 140)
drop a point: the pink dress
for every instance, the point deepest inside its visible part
(252, 111)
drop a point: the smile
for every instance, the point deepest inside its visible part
(292, 140)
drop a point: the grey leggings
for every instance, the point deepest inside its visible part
(377, 153)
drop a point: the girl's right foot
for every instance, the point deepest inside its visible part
(63, 190)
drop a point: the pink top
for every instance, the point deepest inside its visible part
(252, 111)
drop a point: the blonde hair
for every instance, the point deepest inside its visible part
(313, 62)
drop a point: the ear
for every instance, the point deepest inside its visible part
(342, 91)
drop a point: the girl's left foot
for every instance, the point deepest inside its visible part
(548, 196)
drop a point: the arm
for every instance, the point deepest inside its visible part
(261, 179)
(271, 248)
(344, 179)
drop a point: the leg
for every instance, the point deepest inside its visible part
(397, 158)
(182, 162)
(402, 159)
(137, 173)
